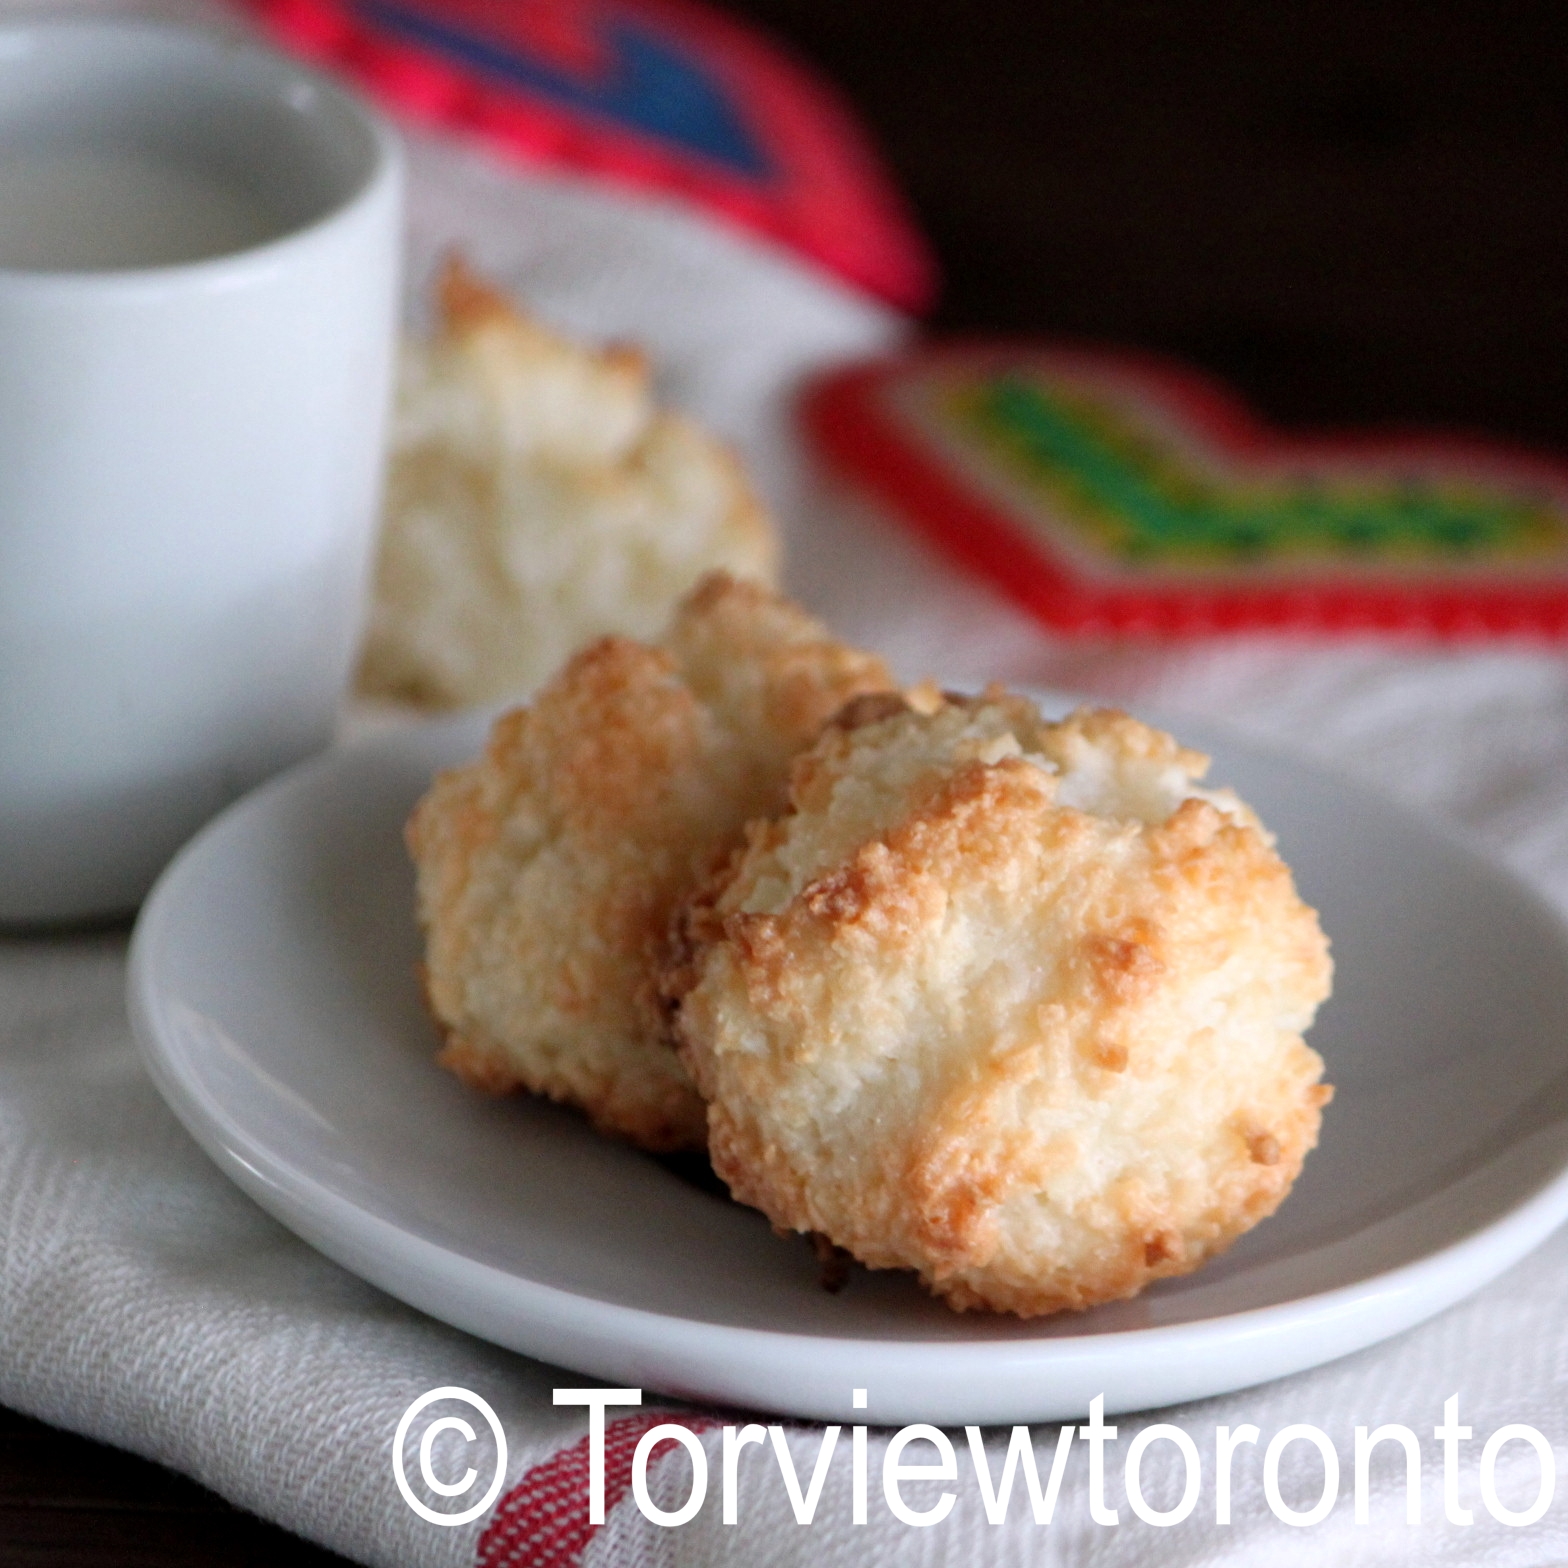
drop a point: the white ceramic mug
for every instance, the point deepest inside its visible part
(199, 246)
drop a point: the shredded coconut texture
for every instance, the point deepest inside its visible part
(1015, 1004)
(536, 499)
(550, 866)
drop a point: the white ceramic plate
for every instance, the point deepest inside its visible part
(272, 989)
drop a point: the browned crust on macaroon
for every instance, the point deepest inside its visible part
(550, 866)
(915, 1048)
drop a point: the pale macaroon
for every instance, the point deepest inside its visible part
(550, 866)
(537, 497)
(1015, 1004)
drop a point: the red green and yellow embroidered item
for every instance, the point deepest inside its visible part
(1111, 493)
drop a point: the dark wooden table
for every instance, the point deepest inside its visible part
(1355, 212)
(68, 1503)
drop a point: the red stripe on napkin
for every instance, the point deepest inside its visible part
(543, 1521)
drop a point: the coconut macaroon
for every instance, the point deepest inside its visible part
(549, 867)
(537, 498)
(1012, 1003)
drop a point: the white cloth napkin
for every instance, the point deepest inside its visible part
(144, 1301)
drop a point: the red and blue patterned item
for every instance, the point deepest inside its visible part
(660, 94)
(1111, 493)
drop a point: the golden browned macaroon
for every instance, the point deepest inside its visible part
(549, 867)
(537, 498)
(1012, 1003)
